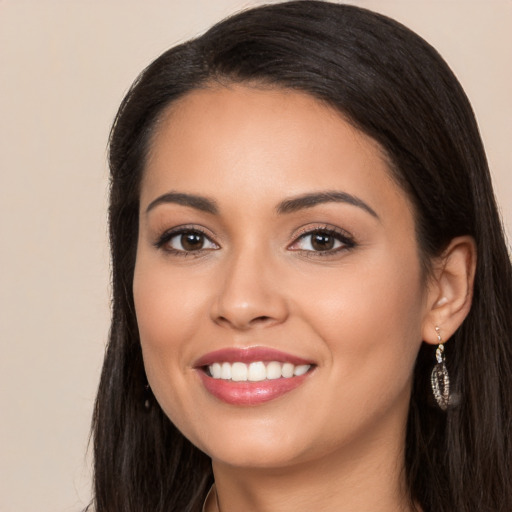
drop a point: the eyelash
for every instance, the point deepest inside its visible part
(183, 230)
(346, 241)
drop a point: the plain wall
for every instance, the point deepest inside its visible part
(64, 67)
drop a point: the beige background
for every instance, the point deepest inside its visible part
(64, 66)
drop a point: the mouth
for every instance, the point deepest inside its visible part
(251, 376)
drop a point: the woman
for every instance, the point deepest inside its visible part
(312, 291)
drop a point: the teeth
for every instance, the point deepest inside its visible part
(238, 372)
(226, 371)
(257, 371)
(215, 370)
(301, 370)
(273, 370)
(287, 370)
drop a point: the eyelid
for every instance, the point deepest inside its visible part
(346, 239)
(343, 237)
(169, 234)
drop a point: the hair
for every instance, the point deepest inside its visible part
(393, 86)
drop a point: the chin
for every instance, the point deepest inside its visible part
(256, 456)
(252, 445)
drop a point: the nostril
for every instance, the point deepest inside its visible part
(261, 320)
(242, 312)
(246, 324)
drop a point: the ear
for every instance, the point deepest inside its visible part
(450, 290)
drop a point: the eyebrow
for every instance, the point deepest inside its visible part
(314, 199)
(194, 201)
(295, 204)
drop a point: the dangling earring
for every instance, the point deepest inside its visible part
(440, 379)
(147, 397)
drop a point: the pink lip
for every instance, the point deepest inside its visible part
(248, 355)
(249, 393)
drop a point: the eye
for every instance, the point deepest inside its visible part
(186, 240)
(323, 241)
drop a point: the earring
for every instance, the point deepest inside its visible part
(440, 379)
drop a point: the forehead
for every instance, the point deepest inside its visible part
(249, 110)
(262, 142)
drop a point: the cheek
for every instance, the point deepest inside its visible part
(165, 300)
(167, 313)
(369, 316)
(167, 316)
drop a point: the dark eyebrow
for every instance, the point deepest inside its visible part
(198, 202)
(310, 200)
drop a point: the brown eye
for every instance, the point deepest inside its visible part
(322, 241)
(192, 241)
(325, 241)
(187, 241)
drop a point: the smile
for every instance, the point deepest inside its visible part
(251, 376)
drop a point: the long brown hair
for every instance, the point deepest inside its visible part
(394, 87)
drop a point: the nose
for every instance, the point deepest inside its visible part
(250, 295)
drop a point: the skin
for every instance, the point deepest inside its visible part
(359, 311)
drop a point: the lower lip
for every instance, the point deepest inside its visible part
(249, 393)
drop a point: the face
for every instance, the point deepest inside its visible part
(278, 289)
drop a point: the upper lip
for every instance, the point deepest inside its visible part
(248, 355)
